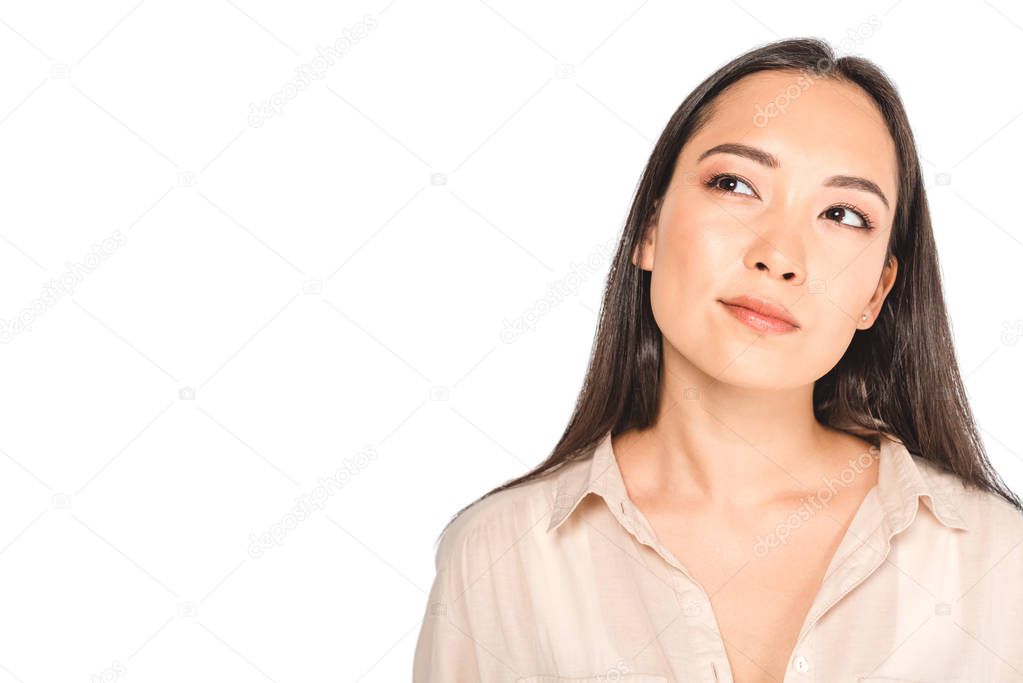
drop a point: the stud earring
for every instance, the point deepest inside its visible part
(864, 316)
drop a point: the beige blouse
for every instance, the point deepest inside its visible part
(544, 583)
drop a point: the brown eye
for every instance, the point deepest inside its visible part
(729, 184)
(839, 213)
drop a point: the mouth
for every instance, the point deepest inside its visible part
(762, 315)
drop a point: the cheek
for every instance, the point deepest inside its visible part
(699, 255)
(844, 297)
(834, 306)
(692, 261)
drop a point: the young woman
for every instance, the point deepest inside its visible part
(772, 472)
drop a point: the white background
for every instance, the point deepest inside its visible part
(335, 281)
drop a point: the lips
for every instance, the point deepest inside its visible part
(761, 314)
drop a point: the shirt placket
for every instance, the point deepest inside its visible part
(707, 646)
(707, 661)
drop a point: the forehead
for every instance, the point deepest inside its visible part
(817, 126)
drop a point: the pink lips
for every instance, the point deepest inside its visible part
(763, 315)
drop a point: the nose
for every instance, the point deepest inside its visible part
(776, 249)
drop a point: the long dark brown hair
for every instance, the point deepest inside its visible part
(899, 376)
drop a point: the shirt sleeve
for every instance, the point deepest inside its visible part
(446, 651)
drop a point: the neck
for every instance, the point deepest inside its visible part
(730, 445)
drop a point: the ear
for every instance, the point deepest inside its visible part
(643, 254)
(884, 286)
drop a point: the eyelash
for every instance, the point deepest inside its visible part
(711, 183)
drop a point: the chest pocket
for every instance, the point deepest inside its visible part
(606, 678)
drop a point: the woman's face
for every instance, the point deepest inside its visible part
(765, 217)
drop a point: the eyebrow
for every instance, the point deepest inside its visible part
(769, 160)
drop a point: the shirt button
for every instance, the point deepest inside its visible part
(801, 664)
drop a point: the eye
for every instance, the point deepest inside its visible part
(726, 183)
(842, 211)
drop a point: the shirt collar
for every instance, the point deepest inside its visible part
(901, 482)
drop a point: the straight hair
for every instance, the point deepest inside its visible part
(900, 376)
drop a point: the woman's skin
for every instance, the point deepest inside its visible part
(735, 447)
